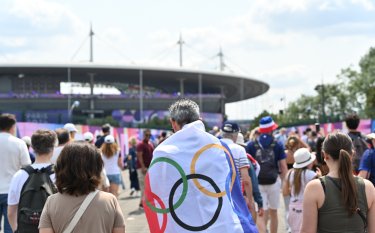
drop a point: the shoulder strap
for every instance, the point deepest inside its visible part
(322, 181)
(80, 211)
(29, 169)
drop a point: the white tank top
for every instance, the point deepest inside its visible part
(110, 164)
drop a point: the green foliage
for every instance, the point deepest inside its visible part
(102, 121)
(353, 91)
(156, 123)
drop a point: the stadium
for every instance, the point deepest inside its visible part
(130, 94)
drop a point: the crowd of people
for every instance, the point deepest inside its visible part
(233, 179)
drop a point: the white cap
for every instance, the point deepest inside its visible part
(88, 136)
(27, 140)
(109, 139)
(371, 136)
(70, 127)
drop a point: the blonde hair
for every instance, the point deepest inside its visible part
(109, 149)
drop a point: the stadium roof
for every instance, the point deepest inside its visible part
(234, 87)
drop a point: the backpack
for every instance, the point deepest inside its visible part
(360, 145)
(34, 194)
(266, 158)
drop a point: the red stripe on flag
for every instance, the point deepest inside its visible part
(152, 217)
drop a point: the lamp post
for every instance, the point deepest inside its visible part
(320, 89)
(74, 105)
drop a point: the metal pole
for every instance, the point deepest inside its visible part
(221, 57)
(92, 101)
(91, 44)
(69, 94)
(222, 100)
(182, 89)
(200, 92)
(180, 42)
(141, 95)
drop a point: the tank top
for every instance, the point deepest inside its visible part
(333, 215)
(111, 165)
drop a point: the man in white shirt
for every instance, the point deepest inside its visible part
(230, 132)
(42, 142)
(13, 156)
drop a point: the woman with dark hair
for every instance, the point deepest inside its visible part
(339, 201)
(78, 170)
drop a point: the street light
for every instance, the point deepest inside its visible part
(74, 105)
(320, 89)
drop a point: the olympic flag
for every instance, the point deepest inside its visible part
(192, 186)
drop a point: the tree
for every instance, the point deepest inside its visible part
(361, 85)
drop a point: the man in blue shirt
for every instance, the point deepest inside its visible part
(367, 165)
(270, 155)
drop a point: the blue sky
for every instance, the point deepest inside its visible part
(291, 44)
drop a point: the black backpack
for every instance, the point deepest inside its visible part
(34, 194)
(269, 171)
(360, 145)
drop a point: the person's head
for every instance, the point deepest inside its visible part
(62, 136)
(27, 140)
(78, 169)
(8, 123)
(254, 134)
(163, 134)
(109, 147)
(267, 125)
(352, 121)
(146, 135)
(337, 152)
(230, 130)
(71, 129)
(307, 131)
(241, 140)
(88, 137)
(182, 112)
(283, 131)
(106, 128)
(293, 143)
(43, 141)
(133, 141)
(303, 160)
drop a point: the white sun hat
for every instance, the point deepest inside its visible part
(303, 158)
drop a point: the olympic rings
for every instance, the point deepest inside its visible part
(172, 209)
(184, 186)
(194, 161)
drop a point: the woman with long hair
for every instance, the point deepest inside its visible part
(293, 143)
(78, 170)
(112, 163)
(339, 201)
(295, 183)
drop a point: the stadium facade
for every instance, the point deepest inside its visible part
(34, 93)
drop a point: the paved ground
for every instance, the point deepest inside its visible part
(135, 219)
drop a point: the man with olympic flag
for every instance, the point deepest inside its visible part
(192, 183)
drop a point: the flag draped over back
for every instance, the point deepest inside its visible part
(192, 186)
